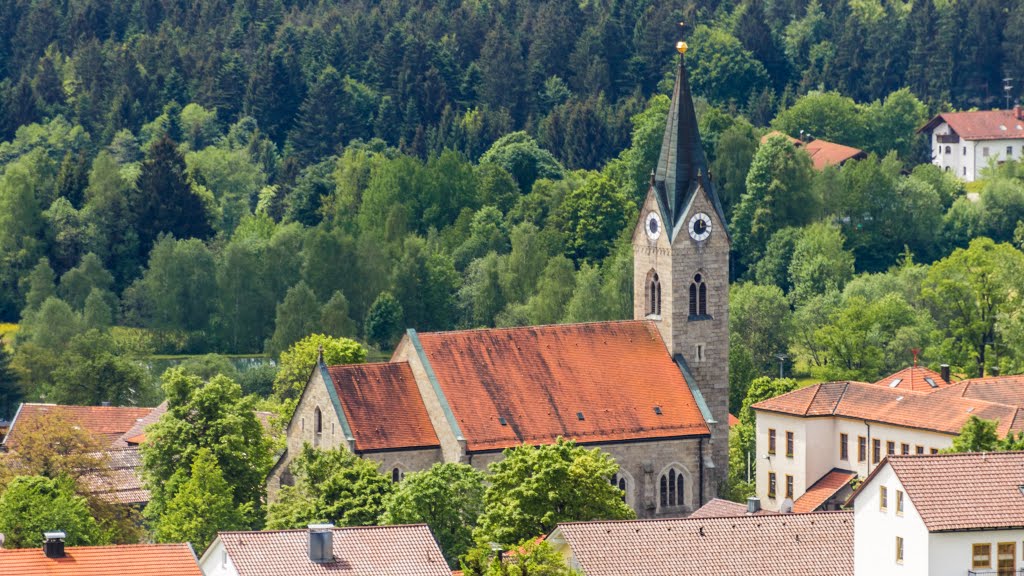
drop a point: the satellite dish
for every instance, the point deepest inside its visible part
(786, 507)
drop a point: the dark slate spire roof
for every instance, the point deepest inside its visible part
(682, 166)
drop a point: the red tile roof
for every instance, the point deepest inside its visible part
(862, 401)
(824, 153)
(824, 489)
(999, 389)
(107, 423)
(383, 406)
(914, 378)
(769, 545)
(733, 420)
(719, 508)
(594, 382)
(971, 491)
(980, 125)
(378, 550)
(136, 435)
(126, 559)
(121, 482)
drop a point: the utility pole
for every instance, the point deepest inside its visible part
(782, 365)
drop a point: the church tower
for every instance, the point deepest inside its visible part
(681, 268)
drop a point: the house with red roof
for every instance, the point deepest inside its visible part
(938, 515)
(813, 442)
(53, 559)
(965, 143)
(323, 550)
(822, 152)
(652, 391)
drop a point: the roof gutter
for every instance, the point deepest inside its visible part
(333, 393)
(691, 383)
(414, 339)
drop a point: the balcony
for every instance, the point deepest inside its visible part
(947, 138)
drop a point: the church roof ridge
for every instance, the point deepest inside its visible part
(535, 326)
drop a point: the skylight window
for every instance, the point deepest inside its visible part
(930, 382)
(657, 410)
(502, 421)
(579, 415)
(895, 382)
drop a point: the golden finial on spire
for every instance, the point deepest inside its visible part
(681, 46)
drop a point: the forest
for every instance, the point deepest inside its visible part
(180, 179)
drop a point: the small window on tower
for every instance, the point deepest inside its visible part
(698, 298)
(653, 294)
(700, 353)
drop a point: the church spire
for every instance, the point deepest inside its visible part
(682, 166)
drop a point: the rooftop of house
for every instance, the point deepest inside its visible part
(980, 124)
(821, 491)
(1000, 389)
(822, 152)
(107, 423)
(968, 491)
(383, 406)
(408, 550)
(121, 482)
(591, 382)
(134, 559)
(718, 508)
(915, 379)
(862, 401)
(761, 545)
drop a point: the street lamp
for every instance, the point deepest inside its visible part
(782, 364)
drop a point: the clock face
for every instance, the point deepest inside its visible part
(700, 226)
(653, 225)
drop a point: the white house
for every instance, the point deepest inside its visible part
(325, 550)
(965, 143)
(810, 443)
(938, 515)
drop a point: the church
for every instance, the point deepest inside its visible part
(652, 392)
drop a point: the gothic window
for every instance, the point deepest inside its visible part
(653, 294)
(698, 297)
(947, 149)
(318, 421)
(397, 475)
(673, 491)
(620, 483)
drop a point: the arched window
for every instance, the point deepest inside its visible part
(397, 475)
(620, 483)
(947, 149)
(673, 488)
(698, 297)
(318, 421)
(653, 294)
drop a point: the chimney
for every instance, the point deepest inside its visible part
(105, 403)
(53, 544)
(753, 505)
(1018, 112)
(321, 543)
(944, 370)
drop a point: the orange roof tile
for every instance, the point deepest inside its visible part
(824, 489)
(133, 559)
(733, 420)
(999, 389)
(968, 491)
(824, 153)
(137, 434)
(719, 508)
(379, 550)
(593, 382)
(383, 406)
(105, 422)
(768, 545)
(980, 124)
(863, 401)
(914, 378)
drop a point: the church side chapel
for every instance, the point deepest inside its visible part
(652, 391)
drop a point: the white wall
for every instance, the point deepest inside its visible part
(215, 562)
(967, 158)
(816, 449)
(950, 552)
(875, 532)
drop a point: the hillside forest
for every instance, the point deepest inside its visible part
(185, 178)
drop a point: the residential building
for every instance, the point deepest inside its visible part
(53, 559)
(939, 515)
(325, 550)
(836, 431)
(108, 424)
(652, 392)
(754, 545)
(965, 143)
(822, 152)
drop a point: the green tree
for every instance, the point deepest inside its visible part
(528, 558)
(233, 179)
(760, 389)
(519, 155)
(76, 284)
(826, 115)
(40, 285)
(209, 365)
(779, 194)
(722, 69)
(298, 315)
(448, 498)
(92, 371)
(533, 488)
(554, 290)
(298, 360)
(820, 263)
(384, 321)
(212, 415)
(759, 320)
(201, 506)
(592, 217)
(334, 317)
(331, 486)
(178, 290)
(733, 156)
(977, 435)
(32, 505)
(588, 299)
(10, 387)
